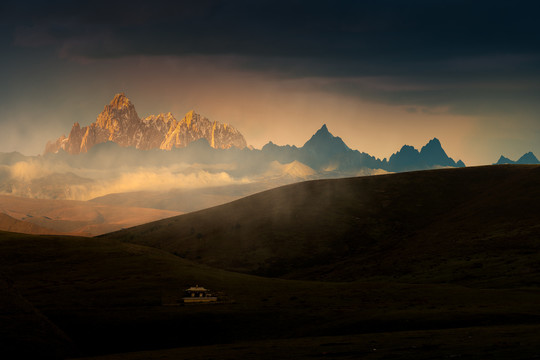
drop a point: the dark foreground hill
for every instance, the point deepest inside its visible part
(474, 226)
(24, 331)
(81, 296)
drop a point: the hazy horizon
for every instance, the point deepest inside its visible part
(258, 145)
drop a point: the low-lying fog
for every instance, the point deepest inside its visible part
(102, 172)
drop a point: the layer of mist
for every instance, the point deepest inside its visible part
(111, 169)
(108, 168)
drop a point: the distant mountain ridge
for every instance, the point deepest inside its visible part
(527, 159)
(324, 152)
(431, 155)
(120, 123)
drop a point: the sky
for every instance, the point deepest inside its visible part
(379, 74)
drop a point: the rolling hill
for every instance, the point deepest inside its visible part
(419, 265)
(184, 200)
(101, 296)
(7, 223)
(455, 222)
(44, 216)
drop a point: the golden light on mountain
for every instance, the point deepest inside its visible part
(120, 123)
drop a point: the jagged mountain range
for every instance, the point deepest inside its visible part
(202, 140)
(527, 159)
(120, 123)
(324, 152)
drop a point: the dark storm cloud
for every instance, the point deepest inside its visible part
(392, 31)
(436, 47)
(461, 97)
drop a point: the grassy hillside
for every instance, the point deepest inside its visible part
(106, 296)
(24, 331)
(419, 265)
(471, 226)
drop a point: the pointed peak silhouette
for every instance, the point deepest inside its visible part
(504, 160)
(120, 100)
(433, 142)
(324, 141)
(323, 132)
(528, 158)
(433, 145)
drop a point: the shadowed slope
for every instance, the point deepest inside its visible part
(395, 225)
(447, 249)
(107, 297)
(25, 332)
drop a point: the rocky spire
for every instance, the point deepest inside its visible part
(120, 100)
(119, 123)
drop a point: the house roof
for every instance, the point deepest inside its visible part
(196, 288)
